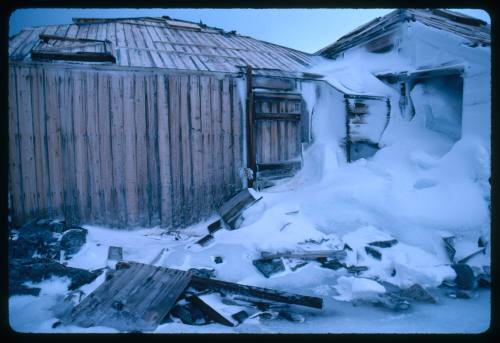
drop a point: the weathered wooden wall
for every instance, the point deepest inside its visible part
(121, 148)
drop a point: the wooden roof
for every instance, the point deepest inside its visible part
(473, 29)
(167, 43)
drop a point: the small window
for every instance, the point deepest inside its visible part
(72, 49)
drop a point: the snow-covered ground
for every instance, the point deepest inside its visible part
(415, 190)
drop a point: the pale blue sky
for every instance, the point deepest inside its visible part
(303, 29)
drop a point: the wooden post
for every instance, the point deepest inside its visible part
(347, 131)
(250, 124)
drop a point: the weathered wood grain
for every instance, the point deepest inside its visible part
(196, 146)
(175, 146)
(207, 151)
(186, 157)
(164, 150)
(141, 150)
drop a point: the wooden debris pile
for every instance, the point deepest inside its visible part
(139, 297)
(231, 213)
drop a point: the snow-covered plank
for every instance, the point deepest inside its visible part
(134, 299)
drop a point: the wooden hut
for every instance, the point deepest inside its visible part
(146, 121)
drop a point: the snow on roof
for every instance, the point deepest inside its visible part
(164, 42)
(462, 25)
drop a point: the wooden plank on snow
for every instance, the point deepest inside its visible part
(231, 210)
(134, 299)
(259, 292)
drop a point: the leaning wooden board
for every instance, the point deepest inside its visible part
(135, 299)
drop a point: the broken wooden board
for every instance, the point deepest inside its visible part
(215, 226)
(134, 299)
(450, 249)
(203, 241)
(258, 292)
(306, 255)
(212, 305)
(467, 258)
(384, 244)
(231, 210)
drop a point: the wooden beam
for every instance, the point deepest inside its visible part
(250, 127)
(258, 292)
(77, 56)
(277, 116)
(337, 254)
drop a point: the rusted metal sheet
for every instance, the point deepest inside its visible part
(133, 299)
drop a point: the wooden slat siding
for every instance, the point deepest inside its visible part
(164, 150)
(38, 143)
(274, 141)
(196, 146)
(26, 141)
(15, 166)
(117, 153)
(63, 99)
(226, 137)
(141, 149)
(93, 158)
(186, 179)
(175, 145)
(77, 94)
(44, 141)
(237, 123)
(105, 157)
(130, 144)
(217, 140)
(152, 141)
(207, 150)
(282, 140)
(53, 140)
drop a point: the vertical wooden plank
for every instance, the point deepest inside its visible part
(266, 141)
(207, 149)
(281, 139)
(117, 150)
(274, 141)
(43, 155)
(15, 173)
(24, 78)
(105, 151)
(130, 163)
(164, 151)
(152, 149)
(217, 139)
(237, 134)
(79, 99)
(38, 142)
(186, 141)
(140, 150)
(226, 138)
(68, 148)
(93, 147)
(197, 146)
(51, 90)
(175, 151)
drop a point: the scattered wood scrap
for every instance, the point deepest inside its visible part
(212, 305)
(232, 209)
(269, 267)
(373, 252)
(307, 255)
(450, 249)
(134, 299)
(115, 254)
(258, 292)
(384, 244)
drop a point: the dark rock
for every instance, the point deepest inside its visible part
(384, 244)
(218, 259)
(417, 292)
(38, 269)
(373, 252)
(188, 313)
(290, 316)
(34, 239)
(269, 267)
(240, 316)
(347, 247)
(203, 272)
(332, 264)
(465, 276)
(393, 302)
(72, 240)
(356, 269)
